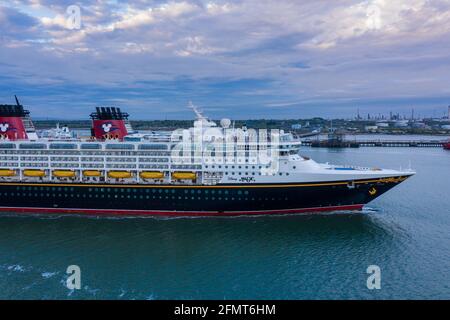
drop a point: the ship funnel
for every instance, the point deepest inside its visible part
(109, 123)
(12, 126)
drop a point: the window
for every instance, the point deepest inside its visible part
(91, 146)
(63, 146)
(32, 146)
(119, 146)
(152, 147)
(7, 146)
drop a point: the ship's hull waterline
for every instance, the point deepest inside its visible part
(191, 200)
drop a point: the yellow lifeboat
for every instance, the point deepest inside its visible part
(34, 173)
(184, 175)
(92, 173)
(64, 173)
(7, 173)
(151, 175)
(119, 174)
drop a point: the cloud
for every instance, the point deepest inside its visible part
(308, 53)
(15, 25)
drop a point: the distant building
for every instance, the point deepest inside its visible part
(446, 126)
(371, 128)
(296, 126)
(382, 124)
(401, 124)
(419, 125)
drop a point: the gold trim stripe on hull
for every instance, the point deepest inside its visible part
(319, 184)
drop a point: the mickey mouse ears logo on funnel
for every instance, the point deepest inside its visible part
(6, 129)
(108, 129)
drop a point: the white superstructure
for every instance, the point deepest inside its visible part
(188, 156)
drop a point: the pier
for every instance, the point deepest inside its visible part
(389, 143)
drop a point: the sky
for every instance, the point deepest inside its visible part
(247, 59)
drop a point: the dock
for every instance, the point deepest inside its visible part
(389, 143)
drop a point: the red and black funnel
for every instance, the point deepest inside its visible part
(109, 123)
(11, 124)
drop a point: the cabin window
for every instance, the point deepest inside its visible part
(7, 146)
(63, 146)
(90, 146)
(32, 146)
(119, 146)
(152, 147)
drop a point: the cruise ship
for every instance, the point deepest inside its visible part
(209, 169)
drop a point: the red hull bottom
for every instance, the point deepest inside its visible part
(112, 212)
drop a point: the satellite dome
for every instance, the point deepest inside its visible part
(225, 123)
